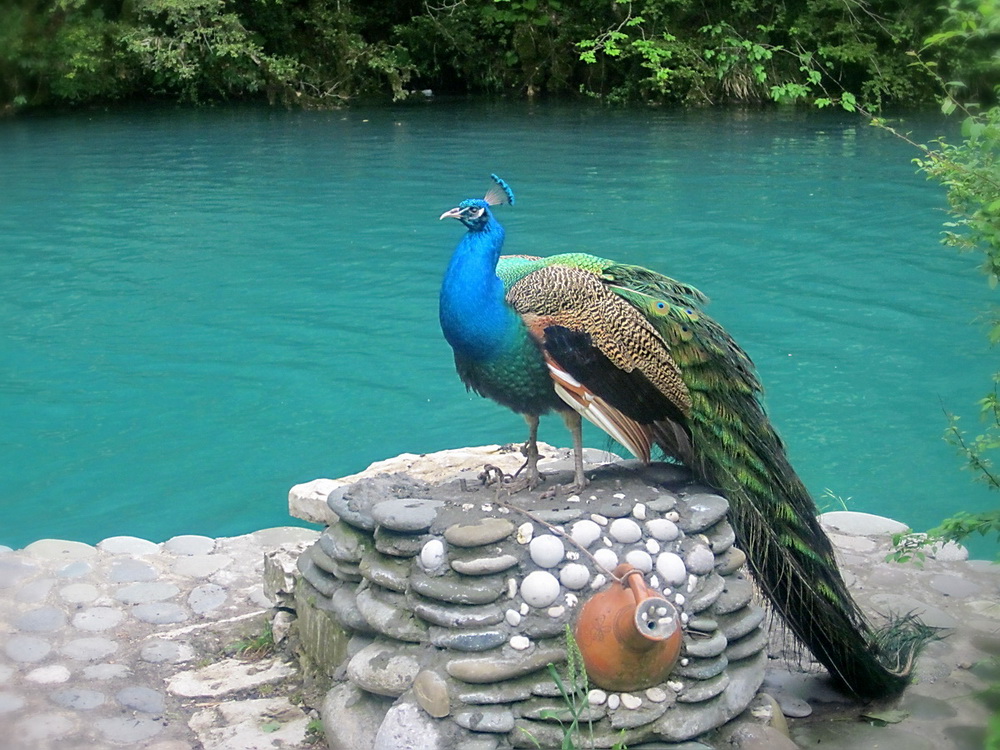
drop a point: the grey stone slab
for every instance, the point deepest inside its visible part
(60, 549)
(143, 593)
(189, 544)
(142, 699)
(95, 619)
(200, 566)
(861, 524)
(10, 702)
(206, 598)
(27, 648)
(702, 511)
(478, 533)
(76, 569)
(128, 545)
(129, 730)
(89, 649)
(79, 593)
(955, 586)
(408, 515)
(160, 613)
(129, 570)
(166, 652)
(34, 592)
(41, 620)
(78, 699)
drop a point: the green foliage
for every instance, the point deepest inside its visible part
(323, 52)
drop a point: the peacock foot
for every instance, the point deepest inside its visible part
(511, 483)
(570, 488)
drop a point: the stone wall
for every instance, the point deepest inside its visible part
(437, 608)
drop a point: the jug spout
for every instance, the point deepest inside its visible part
(629, 635)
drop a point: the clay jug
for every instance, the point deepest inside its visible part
(629, 635)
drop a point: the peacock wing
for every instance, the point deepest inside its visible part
(605, 359)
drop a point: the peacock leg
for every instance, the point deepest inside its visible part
(575, 425)
(532, 477)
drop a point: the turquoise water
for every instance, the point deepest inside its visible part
(202, 308)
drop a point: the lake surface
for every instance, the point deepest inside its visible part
(202, 308)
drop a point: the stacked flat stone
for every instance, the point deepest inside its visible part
(458, 602)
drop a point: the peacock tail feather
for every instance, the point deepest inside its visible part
(633, 351)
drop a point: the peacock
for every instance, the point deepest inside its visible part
(632, 351)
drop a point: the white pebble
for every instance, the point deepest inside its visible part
(675, 686)
(432, 555)
(572, 554)
(540, 588)
(524, 608)
(598, 518)
(614, 700)
(656, 694)
(596, 697)
(684, 661)
(557, 611)
(573, 499)
(574, 576)
(684, 618)
(652, 546)
(487, 507)
(519, 642)
(625, 530)
(640, 559)
(654, 582)
(524, 533)
(606, 558)
(599, 580)
(672, 515)
(662, 529)
(692, 583)
(679, 599)
(639, 511)
(619, 496)
(511, 588)
(671, 568)
(631, 702)
(513, 617)
(585, 532)
(546, 550)
(572, 600)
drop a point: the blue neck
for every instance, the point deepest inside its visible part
(474, 316)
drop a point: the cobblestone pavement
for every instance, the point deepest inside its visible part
(113, 645)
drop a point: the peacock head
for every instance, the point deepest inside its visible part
(475, 212)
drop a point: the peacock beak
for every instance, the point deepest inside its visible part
(455, 213)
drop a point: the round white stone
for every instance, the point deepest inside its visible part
(519, 642)
(602, 520)
(596, 697)
(652, 546)
(606, 558)
(671, 568)
(513, 617)
(574, 576)
(598, 581)
(614, 700)
(557, 611)
(656, 694)
(639, 511)
(700, 560)
(630, 701)
(662, 529)
(50, 675)
(547, 550)
(524, 533)
(625, 530)
(640, 559)
(540, 588)
(679, 600)
(585, 532)
(432, 554)
(672, 515)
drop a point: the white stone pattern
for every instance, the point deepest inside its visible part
(474, 598)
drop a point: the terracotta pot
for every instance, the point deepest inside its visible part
(629, 635)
